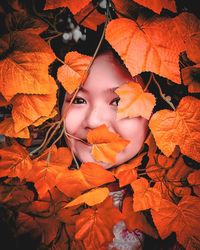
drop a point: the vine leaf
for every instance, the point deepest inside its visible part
(190, 77)
(105, 144)
(145, 197)
(26, 63)
(28, 109)
(90, 175)
(91, 198)
(136, 220)
(126, 173)
(7, 128)
(74, 6)
(181, 219)
(47, 166)
(194, 180)
(72, 72)
(179, 127)
(158, 5)
(94, 226)
(15, 161)
(134, 101)
(146, 46)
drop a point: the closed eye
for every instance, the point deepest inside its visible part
(115, 101)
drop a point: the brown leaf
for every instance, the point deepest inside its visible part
(191, 78)
(180, 127)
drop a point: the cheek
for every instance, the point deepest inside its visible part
(133, 129)
(74, 119)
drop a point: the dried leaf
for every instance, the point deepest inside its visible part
(127, 173)
(90, 175)
(91, 198)
(74, 71)
(137, 220)
(7, 128)
(74, 6)
(153, 45)
(183, 219)
(145, 197)
(94, 227)
(191, 78)
(180, 127)
(134, 101)
(158, 5)
(194, 180)
(26, 63)
(15, 161)
(47, 167)
(106, 144)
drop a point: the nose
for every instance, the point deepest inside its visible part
(96, 116)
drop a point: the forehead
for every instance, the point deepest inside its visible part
(106, 73)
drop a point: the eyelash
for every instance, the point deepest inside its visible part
(80, 100)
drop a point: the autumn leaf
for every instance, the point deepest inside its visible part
(47, 166)
(93, 20)
(183, 219)
(7, 128)
(153, 45)
(26, 63)
(193, 48)
(94, 227)
(194, 180)
(126, 173)
(137, 220)
(145, 197)
(15, 161)
(73, 72)
(90, 175)
(74, 6)
(91, 198)
(179, 127)
(190, 77)
(134, 101)
(158, 5)
(19, 21)
(106, 144)
(27, 109)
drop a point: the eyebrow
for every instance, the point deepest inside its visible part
(105, 91)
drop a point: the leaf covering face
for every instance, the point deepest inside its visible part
(96, 104)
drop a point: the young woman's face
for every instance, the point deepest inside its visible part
(96, 104)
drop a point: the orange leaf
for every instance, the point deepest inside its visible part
(93, 20)
(193, 48)
(136, 220)
(26, 65)
(126, 173)
(90, 175)
(74, 6)
(48, 166)
(91, 198)
(94, 227)
(180, 127)
(153, 45)
(106, 144)
(145, 197)
(194, 180)
(158, 5)
(134, 101)
(190, 78)
(7, 129)
(27, 109)
(15, 161)
(74, 71)
(183, 219)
